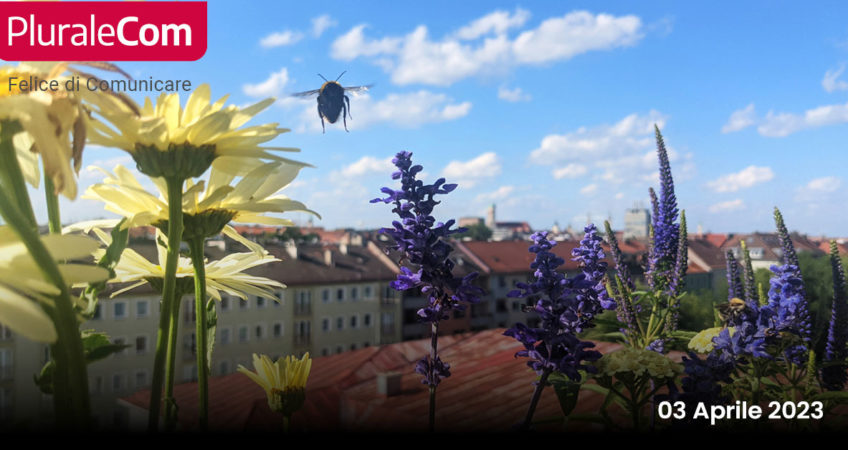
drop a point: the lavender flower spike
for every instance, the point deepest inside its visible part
(666, 232)
(833, 373)
(734, 283)
(422, 242)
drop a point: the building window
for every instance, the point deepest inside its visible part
(5, 333)
(141, 309)
(278, 330)
(97, 313)
(224, 368)
(353, 346)
(340, 323)
(501, 281)
(354, 322)
(7, 367)
(190, 344)
(120, 341)
(140, 345)
(260, 302)
(117, 382)
(119, 310)
(242, 333)
(141, 379)
(339, 349)
(368, 292)
(390, 292)
(325, 351)
(225, 336)
(340, 294)
(325, 325)
(225, 303)
(259, 331)
(366, 320)
(366, 344)
(354, 293)
(516, 306)
(280, 297)
(96, 385)
(244, 304)
(325, 295)
(303, 330)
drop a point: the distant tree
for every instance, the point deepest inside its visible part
(477, 232)
(294, 234)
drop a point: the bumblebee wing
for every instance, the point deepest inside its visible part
(358, 89)
(306, 93)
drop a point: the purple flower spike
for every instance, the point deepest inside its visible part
(422, 242)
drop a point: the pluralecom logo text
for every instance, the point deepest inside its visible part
(102, 31)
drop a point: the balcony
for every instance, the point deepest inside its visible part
(302, 339)
(303, 310)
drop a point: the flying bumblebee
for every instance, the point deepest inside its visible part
(732, 312)
(332, 100)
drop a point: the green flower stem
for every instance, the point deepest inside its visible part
(434, 342)
(11, 178)
(54, 220)
(537, 394)
(175, 233)
(196, 247)
(71, 381)
(170, 367)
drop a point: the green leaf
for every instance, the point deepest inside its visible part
(608, 322)
(109, 261)
(211, 325)
(567, 392)
(44, 380)
(97, 346)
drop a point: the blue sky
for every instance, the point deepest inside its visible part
(547, 108)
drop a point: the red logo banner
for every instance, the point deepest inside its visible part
(102, 31)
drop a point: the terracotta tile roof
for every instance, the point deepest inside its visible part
(770, 243)
(706, 255)
(716, 239)
(489, 390)
(514, 256)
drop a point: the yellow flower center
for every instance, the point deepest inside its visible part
(5, 76)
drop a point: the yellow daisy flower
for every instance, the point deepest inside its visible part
(284, 380)
(703, 341)
(22, 284)
(207, 205)
(196, 133)
(224, 275)
(49, 119)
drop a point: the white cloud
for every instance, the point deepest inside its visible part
(321, 23)
(823, 185)
(272, 86)
(784, 124)
(621, 152)
(728, 206)
(483, 47)
(589, 189)
(368, 164)
(619, 196)
(740, 119)
(572, 170)
(281, 39)
(497, 22)
(469, 173)
(745, 178)
(407, 110)
(513, 95)
(831, 81)
(498, 195)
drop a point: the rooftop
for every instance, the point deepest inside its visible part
(489, 390)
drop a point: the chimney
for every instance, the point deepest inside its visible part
(291, 249)
(328, 257)
(389, 383)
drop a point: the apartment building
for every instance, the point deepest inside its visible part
(337, 299)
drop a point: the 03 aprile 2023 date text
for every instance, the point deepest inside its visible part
(741, 410)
